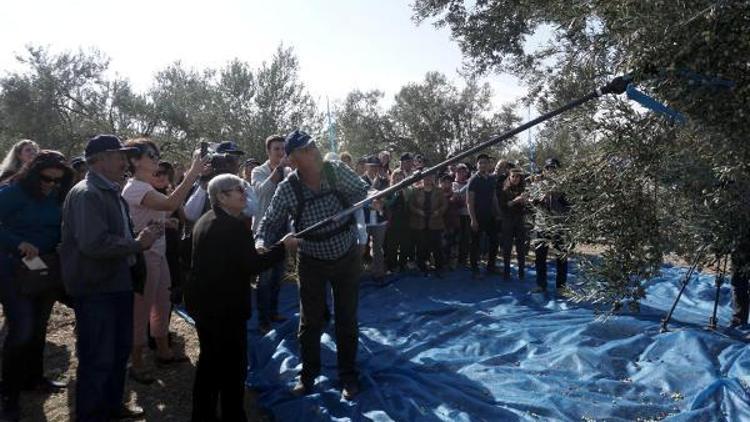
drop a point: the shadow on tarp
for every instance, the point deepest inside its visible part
(463, 349)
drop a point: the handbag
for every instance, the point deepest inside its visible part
(39, 282)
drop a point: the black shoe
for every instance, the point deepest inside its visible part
(278, 318)
(538, 289)
(350, 390)
(302, 388)
(174, 360)
(141, 376)
(129, 412)
(45, 385)
(11, 411)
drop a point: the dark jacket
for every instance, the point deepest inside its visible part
(95, 253)
(515, 212)
(438, 205)
(378, 184)
(397, 210)
(224, 261)
(26, 219)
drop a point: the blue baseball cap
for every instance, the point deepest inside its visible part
(229, 147)
(295, 140)
(104, 143)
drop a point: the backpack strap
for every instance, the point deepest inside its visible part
(330, 174)
(297, 189)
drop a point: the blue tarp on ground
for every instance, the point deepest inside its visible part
(462, 349)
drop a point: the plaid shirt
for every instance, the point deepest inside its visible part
(318, 206)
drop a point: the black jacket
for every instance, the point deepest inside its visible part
(224, 261)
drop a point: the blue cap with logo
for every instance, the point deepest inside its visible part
(295, 140)
(104, 143)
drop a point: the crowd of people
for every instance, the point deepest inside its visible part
(126, 236)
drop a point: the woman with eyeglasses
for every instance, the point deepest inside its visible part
(22, 153)
(513, 201)
(30, 221)
(217, 296)
(151, 307)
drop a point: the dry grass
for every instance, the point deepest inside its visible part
(168, 399)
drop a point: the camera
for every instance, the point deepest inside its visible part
(224, 157)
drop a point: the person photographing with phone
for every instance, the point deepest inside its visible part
(148, 206)
(265, 180)
(30, 218)
(99, 264)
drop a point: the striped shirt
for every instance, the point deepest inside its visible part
(318, 206)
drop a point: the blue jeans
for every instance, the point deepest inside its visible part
(26, 319)
(269, 285)
(105, 337)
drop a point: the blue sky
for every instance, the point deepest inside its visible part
(341, 45)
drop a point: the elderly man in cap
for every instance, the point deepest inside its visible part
(99, 256)
(314, 191)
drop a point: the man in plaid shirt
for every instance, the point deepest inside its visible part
(329, 254)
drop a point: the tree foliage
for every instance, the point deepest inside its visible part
(643, 187)
(60, 100)
(434, 117)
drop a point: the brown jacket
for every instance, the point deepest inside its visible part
(416, 209)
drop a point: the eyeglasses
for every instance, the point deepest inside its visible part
(238, 188)
(47, 179)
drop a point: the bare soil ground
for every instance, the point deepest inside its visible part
(168, 399)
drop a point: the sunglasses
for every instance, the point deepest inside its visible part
(152, 154)
(47, 179)
(239, 188)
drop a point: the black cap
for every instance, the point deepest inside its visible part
(251, 161)
(295, 140)
(372, 160)
(104, 143)
(406, 156)
(75, 162)
(551, 162)
(229, 147)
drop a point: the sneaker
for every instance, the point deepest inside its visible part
(538, 289)
(45, 385)
(129, 412)
(350, 390)
(172, 360)
(278, 318)
(10, 411)
(302, 388)
(141, 376)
